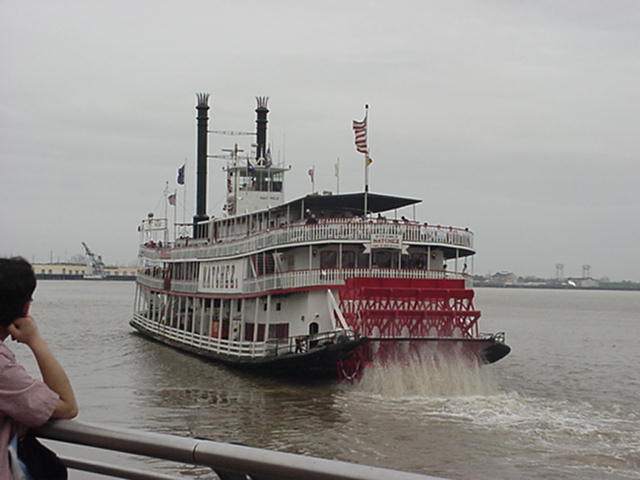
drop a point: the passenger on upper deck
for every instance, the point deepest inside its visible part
(310, 217)
(24, 401)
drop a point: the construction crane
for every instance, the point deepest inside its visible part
(95, 263)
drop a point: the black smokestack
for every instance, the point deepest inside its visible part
(261, 127)
(201, 182)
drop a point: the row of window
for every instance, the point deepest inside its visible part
(381, 259)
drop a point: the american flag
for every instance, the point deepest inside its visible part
(360, 130)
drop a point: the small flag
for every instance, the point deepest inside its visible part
(172, 199)
(369, 160)
(181, 175)
(311, 172)
(267, 159)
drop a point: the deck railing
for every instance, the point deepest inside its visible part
(308, 278)
(228, 461)
(336, 276)
(241, 348)
(237, 348)
(290, 235)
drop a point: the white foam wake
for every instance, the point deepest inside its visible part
(429, 373)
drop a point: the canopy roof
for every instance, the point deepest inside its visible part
(350, 202)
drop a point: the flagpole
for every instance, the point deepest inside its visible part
(360, 130)
(338, 176)
(366, 164)
(175, 214)
(184, 192)
(166, 212)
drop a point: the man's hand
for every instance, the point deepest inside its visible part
(24, 330)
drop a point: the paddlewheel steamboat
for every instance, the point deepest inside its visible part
(322, 285)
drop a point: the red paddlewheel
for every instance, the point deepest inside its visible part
(407, 308)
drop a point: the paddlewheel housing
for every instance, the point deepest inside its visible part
(403, 314)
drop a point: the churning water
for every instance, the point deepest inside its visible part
(429, 373)
(564, 404)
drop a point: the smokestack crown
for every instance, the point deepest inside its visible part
(261, 127)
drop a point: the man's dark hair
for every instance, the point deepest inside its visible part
(17, 283)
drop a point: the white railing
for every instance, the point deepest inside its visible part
(202, 342)
(309, 278)
(335, 276)
(243, 349)
(344, 231)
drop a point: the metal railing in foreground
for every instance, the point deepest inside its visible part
(229, 462)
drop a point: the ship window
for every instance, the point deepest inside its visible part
(418, 260)
(279, 330)
(348, 259)
(382, 259)
(238, 305)
(363, 260)
(264, 306)
(248, 331)
(328, 259)
(260, 337)
(278, 306)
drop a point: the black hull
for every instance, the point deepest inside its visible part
(318, 362)
(495, 351)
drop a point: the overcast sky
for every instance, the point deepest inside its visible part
(516, 119)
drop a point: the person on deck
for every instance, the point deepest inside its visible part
(26, 402)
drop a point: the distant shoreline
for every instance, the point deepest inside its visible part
(53, 276)
(561, 287)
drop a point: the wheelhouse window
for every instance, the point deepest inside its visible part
(265, 180)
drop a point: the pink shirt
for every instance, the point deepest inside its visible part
(23, 401)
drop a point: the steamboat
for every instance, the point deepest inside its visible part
(319, 286)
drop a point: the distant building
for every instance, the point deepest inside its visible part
(77, 271)
(43, 270)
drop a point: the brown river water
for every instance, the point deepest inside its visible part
(564, 404)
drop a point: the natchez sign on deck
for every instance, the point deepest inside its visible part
(384, 241)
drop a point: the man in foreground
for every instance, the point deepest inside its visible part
(25, 401)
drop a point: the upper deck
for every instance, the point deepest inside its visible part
(309, 220)
(454, 241)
